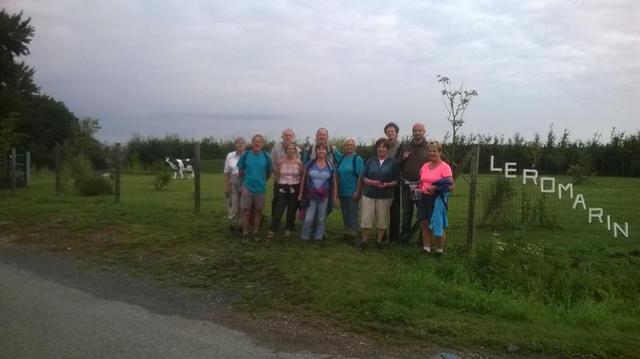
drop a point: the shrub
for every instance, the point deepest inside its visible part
(92, 185)
(498, 212)
(579, 174)
(86, 181)
(162, 179)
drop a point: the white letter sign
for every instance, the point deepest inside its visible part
(492, 166)
(529, 173)
(510, 167)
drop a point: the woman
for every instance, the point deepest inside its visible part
(232, 183)
(318, 185)
(288, 171)
(379, 177)
(349, 169)
(436, 181)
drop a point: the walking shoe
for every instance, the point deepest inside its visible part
(270, 235)
(363, 244)
(244, 238)
(287, 234)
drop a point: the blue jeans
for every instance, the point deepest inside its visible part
(316, 213)
(349, 209)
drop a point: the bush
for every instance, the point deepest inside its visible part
(579, 174)
(86, 181)
(498, 212)
(162, 179)
(93, 185)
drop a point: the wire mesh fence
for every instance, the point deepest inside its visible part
(530, 203)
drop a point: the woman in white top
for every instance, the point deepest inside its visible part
(232, 183)
(288, 172)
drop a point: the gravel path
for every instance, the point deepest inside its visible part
(42, 318)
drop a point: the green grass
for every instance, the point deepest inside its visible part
(568, 289)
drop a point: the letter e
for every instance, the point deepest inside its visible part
(510, 167)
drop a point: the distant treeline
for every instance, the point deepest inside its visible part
(619, 155)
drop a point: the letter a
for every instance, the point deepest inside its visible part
(579, 199)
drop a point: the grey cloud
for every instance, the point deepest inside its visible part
(219, 116)
(340, 64)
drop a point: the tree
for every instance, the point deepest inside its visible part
(15, 35)
(455, 100)
(16, 79)
(30, 120)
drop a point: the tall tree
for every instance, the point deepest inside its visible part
(30, 120)
(16, 78)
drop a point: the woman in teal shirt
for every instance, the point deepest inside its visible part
(349, 170)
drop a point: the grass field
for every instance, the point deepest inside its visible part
(568, 288)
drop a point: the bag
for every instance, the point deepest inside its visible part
(266, 157)
(416, 193)
(355, 173)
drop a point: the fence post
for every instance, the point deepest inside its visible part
(14, 173)
(57, 153)
(27, 168)
(118, 169)
(473, 193)
(196, 174)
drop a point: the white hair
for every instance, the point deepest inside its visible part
(349, 139)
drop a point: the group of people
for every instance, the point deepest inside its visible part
(378, 196)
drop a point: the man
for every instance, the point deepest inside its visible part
(391, 131)
(278, 153)
(412, 156)
(322, 138)
(255, 168)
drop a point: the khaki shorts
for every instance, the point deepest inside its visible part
(250, 200)
(375, 210)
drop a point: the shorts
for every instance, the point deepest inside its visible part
(375, 210)
(250, 200)
(425, 206)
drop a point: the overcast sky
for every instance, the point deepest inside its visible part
(228, 68)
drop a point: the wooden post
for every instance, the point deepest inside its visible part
(118, 168)
(196, 174)
(27, 168)
(14, 173)
(473, 193)
(57, 153)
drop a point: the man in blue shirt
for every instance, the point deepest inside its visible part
(255, 169)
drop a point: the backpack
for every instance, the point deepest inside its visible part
(266, 157)
(353, 165)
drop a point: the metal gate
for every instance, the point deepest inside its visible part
(15, 170)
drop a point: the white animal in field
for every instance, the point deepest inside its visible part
(180, 167)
